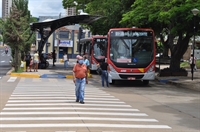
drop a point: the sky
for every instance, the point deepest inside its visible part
(43, 8)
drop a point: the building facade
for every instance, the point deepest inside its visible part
(63, 40)
(71, 11)
(6, 5)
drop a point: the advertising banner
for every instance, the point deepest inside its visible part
(65, 43)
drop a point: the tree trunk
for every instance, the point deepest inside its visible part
(177, 52)
(165, 51)
(174, 63)
(17, 59)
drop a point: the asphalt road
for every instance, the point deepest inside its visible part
(4, 62)
(48, 104)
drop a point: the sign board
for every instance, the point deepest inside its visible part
(65, 43)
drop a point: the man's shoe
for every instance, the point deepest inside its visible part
(82, 102)
(77, 100)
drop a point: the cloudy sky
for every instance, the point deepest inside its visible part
(43, 8)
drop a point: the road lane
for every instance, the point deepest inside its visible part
(38, 104)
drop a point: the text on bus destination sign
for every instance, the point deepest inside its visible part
(131, 33)
(100, 40)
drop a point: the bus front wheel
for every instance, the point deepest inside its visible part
(145, 82)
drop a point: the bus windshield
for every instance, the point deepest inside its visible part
(99, 48)
(137, 50)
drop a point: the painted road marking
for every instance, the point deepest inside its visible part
(82, 125)
(69, 104)
(61, 101)
(73, 113)
(73, 108)
(64, 94)
(76, 118)
(43, 103)
(13, 98)
(12, 79)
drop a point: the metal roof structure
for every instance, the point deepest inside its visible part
(48, 27)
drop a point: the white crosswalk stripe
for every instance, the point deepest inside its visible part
(12, 79)
(53, 107)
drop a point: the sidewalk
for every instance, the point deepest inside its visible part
(182, 81)
(58, 71)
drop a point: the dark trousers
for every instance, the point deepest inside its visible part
(104, 76)
(192, 66)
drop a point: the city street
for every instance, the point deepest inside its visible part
(4, 62)
(48, 104)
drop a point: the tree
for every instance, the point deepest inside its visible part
(1, 38)
(111, 10)
(173, 18)
(16, 30)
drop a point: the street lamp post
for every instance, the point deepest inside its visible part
(195, 12)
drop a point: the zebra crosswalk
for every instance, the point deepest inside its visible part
(51, 106)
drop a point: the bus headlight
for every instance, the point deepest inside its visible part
(151, 68)
(112, 69)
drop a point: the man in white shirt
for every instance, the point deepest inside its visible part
(65, 59)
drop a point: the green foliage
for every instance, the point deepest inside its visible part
(1, 38)
(170, 20)
(111, 10)
(16, 30)
(198, 64)
(173, 19)
(187, 64)
(159, 47)
(18, 71)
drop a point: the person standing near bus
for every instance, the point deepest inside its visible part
(65, 59)
(105, 71)
(80, 78)
(193, 65)
(86, 61)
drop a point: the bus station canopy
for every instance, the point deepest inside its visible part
(46, 28)
(69, 20)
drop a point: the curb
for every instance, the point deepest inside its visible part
(25, 75)
(172, 81)
(39, 76)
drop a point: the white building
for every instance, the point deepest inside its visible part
(6, 5)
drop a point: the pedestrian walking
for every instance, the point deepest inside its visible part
(6, 50)
(65, 59)
(36, 60)
(105, 71)
(192, 65)
(27, 59)
(80, 79)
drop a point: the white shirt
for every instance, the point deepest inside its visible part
(65, 57)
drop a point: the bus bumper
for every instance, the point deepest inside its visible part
(131, 76)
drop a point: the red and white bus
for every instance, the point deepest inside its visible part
(131, 54)
(95, 48)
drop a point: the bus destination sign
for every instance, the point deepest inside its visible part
(131, 33)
